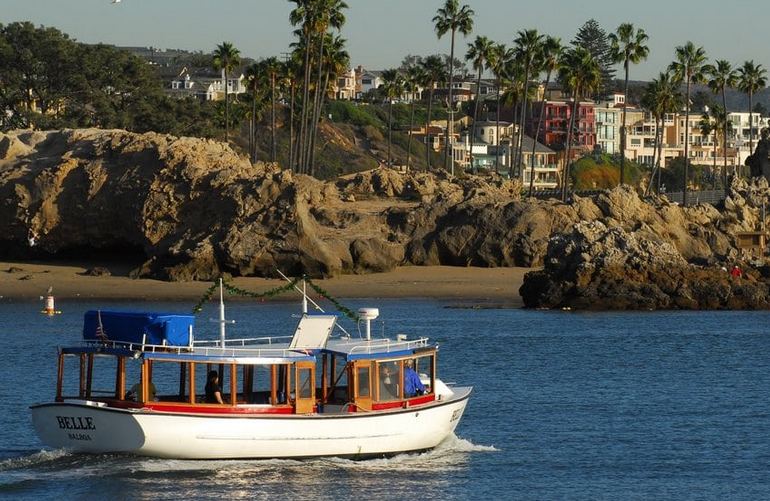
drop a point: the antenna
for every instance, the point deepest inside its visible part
(221, 321)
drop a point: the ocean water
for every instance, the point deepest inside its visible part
(637, 405)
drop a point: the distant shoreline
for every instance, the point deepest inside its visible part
(491, 286)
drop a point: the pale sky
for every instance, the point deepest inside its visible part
(381, 32)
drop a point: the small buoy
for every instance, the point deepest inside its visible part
(50, 308)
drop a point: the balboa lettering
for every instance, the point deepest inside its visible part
(75, 423)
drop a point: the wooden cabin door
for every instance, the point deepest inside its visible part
(305, 387)
(363, 384)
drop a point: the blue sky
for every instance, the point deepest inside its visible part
(381, 32)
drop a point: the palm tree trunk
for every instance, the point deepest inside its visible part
(654, 158)
(390, 130)
(227, 107)
(273, 152)
(409, 139)
(537, 133)
(313, 126)
(660, 149)
(751, 123)
(475, 116)
(291, 125)
(724, 141)
(497, 130)
(304, 111)
(522, 123)
(447, 157)
(565, 180)
(716, 140)
(253, 131)
(427, 129)
(686, 142)
(316, 121)
(623, 128)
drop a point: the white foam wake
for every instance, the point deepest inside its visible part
(35, 459)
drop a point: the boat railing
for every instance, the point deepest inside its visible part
(207, 348)
(244, 341)
(388, 345)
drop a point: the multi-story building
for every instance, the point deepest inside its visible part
(557, 119)
(741, 131)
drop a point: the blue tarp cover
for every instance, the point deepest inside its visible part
(130, 327)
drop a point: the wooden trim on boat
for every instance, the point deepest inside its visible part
(60, 377)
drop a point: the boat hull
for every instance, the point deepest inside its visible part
(91, 427)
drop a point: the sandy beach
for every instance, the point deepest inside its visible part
(30, 280)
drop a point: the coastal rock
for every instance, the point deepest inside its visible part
(193, 209)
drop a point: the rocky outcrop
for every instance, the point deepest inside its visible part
(195, 209)
(653, 255)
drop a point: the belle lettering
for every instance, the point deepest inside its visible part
(75, 423)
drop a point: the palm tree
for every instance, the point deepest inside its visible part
(255, 85)
(722, 76)
(392, 87)
(707, 127)
(415, 75)
(527, 48)
(435, 72)
(552, 51)
(479, 53)
(513, 83)
(271, 67)
(497, 65)
(452, 18)
(329, 15)
(661, 96)
(751, 79)
(289, 73)
(226, 58)
(627, 47)
(581, 75)
(688, 67)
(337, 60)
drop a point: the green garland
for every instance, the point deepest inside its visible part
(235, 291)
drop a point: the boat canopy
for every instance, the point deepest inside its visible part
(168, 329)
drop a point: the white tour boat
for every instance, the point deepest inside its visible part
(312, 394)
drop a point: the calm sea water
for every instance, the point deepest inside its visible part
(655, 405)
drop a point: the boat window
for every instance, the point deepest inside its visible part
(424, 367)
(388, 377)
(102, 384)
(305, 383)
(363, 381)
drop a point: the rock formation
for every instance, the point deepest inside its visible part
(653, 255)
(194, 209)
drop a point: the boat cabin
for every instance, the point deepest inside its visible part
(152, 361)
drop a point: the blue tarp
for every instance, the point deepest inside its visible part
(131, 327)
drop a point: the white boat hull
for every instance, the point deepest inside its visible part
(95, 428)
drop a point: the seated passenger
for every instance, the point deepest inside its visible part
(412, 384)
(389, 384)
(213, 391)
(136, 390)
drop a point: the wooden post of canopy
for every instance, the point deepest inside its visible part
(120, 379)
(433, 373)
(144, 381)
(248, 382)
(60, 377)
(182, 379)
(324, 379)
(89, 374)
(273, 384)
(233, 384)
(82, 390)
(192, 382)
(287, 382)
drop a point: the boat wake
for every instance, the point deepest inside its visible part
(37, 459)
